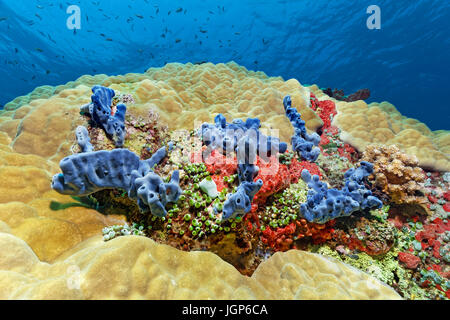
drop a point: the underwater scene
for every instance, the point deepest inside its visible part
(249, 150)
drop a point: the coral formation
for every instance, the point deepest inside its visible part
(139, 268)
(396, 173)
(325, 204)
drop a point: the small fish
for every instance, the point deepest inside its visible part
(211, 12)
(177, 40)
(109, 39)
(179, 10)
(47, 71)
(16, 50)
(3, 18)
(102, 34)
(40, 18)
(203, 31)
(39, 49)
(139, 16)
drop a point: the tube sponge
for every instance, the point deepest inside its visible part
(83, 140)
(303, 143)
(226, 136)
(239, 203)
(325, 204)
(153, 194)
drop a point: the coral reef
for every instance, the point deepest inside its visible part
(396, 173)
(325, 204)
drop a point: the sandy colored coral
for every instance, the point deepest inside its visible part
(138, 268)
(363, 124)
(396, 173)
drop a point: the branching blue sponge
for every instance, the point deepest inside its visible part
(83, 139)
(240, 202)
(226, 136)
(89, 172)
(100, 112)
(325, 204)
(303, 143)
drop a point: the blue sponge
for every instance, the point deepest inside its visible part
(325, 204)
(303, 143)
(226, 136)
(83, 139)
(153, 194)
(100, 112)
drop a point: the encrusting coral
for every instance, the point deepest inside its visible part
(397, 174)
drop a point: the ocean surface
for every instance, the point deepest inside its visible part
(406, 62)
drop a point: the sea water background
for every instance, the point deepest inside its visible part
(407, 62)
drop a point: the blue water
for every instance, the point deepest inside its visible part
(406, 62)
